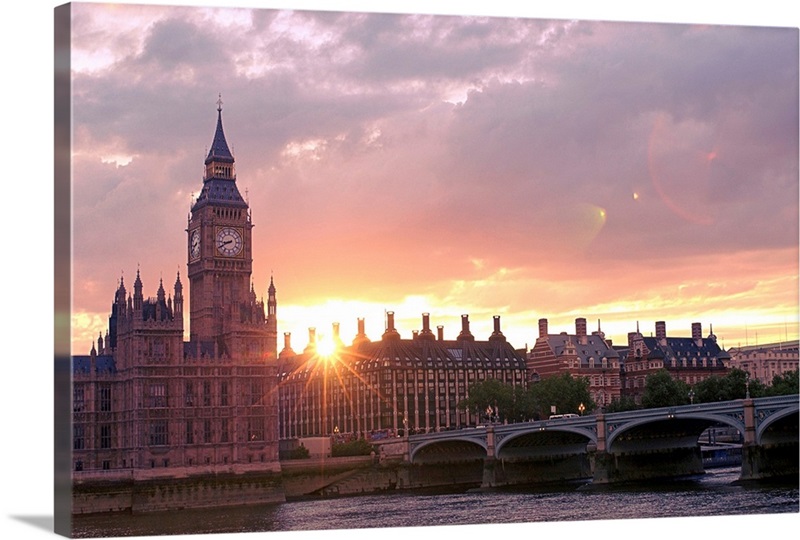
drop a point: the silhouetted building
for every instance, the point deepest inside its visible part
(393, 385)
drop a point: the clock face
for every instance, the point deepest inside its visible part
(194, 244)
(229, 241)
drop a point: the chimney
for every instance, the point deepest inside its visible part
(287, 346)
(336, 338)
(697, 334)
(312, 340)
(580, 330)
(465, 333)
(440, 332)
(661, 330)
(497, 335)
(542, 328)
(426, 327)
(414, 334)
(390, 331)
(361, 336)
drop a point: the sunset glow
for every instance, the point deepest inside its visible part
(516, 167)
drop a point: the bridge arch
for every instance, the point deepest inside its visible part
(695, 421)
(771, 421)
(559, 437)
(450, 449)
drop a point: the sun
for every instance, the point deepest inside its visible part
(326, 347)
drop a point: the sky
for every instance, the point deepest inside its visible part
(531, 168)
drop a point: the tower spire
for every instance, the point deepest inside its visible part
(219, 148)
(219, 177)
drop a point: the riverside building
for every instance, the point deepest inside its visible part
(392, 386)
(148, 405)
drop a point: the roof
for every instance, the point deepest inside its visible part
(220, 192)
(781, 346)
(677, 348)
(219, 148)
(103, 363)
(409, 354)
(595, 347)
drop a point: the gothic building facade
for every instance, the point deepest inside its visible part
(146, 403)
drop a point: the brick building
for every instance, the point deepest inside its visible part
(690, 359)
(146, 402)
(581, 355)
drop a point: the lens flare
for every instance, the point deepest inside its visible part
(326, 347)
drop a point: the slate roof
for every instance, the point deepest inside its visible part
(219, 148)
(678, 348)
(220, 192)
(104, 363)
(595, 347)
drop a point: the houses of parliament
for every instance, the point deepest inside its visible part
(145, 403)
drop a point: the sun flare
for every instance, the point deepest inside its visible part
(326, 347)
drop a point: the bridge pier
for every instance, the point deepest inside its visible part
(663, 463)
(493, 473)
(775, 457)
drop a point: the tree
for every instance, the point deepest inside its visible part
(661, 390)
(562, 391)
(784, 385)
(492, 400)
(621, 404)
(358, 447)
(733, 385)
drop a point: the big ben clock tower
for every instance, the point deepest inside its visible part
(224, 314)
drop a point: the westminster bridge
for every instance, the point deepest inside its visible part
(605, 448)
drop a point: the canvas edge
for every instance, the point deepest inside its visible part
(62, 270)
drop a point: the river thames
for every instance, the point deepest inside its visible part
(712, 494)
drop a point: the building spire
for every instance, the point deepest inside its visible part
(219, 148)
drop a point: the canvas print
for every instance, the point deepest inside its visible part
(345, 270)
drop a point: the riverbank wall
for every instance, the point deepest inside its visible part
(137, 491)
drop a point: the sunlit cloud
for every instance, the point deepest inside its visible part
(480, 166)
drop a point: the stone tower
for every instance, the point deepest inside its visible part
(225, 316)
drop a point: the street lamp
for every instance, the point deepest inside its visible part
(581, 408)
(691, 397)
(746, 385)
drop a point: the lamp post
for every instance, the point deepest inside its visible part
(691, 397)
(746, 385)
(581, 408)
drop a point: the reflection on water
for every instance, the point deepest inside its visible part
(711, 494)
